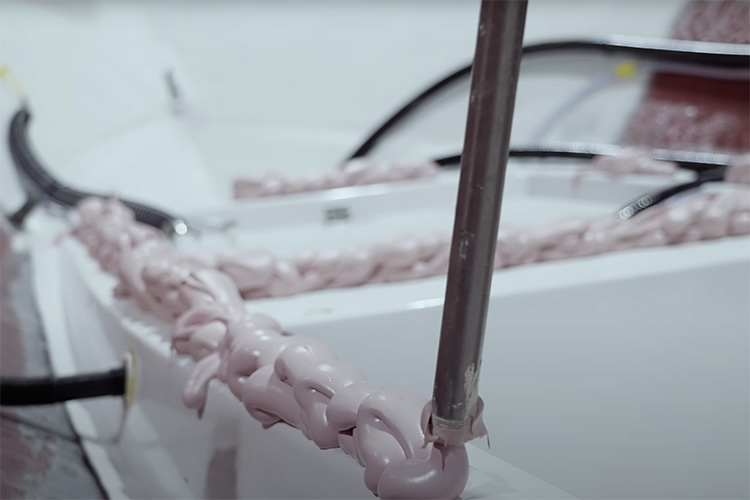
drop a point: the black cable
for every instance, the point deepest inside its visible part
(710, 167)
(40, 184)
(34, 177)
(660, 50)
(653, 198)
(17, 391)
(16, 218)
(688, 160)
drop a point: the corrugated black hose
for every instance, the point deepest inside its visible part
(40, 185)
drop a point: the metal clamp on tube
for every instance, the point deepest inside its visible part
(456, 404)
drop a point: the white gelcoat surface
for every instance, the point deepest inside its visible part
(581, 391)
(283, 86)
(535, 193)
(592, 367)
(622, 376)
(632, 361)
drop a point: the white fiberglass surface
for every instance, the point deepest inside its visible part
(377, 214)
(602, 375)
(621, 375)
(534, 193)
(282, 86)
(166, 451)
(618, 376)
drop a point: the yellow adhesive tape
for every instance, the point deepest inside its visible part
(7, 75)
(627, 69)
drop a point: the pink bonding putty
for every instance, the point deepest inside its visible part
(363, 171)
(738, 171)
(357, 172)
(636, 160)
(283, 378)
(697, 217)
(631, 160)
(279, 377)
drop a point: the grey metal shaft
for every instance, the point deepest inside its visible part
(485, 156)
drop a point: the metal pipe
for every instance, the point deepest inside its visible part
(486, 146)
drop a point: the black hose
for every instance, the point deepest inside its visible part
(653, 198)
(688, 160)
(721, 55)
(16, 391)
(16, 218)
(40, 184)
(710, 167)
(33, 176)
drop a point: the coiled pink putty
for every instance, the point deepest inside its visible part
(702, 216)
(738, 172)
(282, 378)
(357, 172)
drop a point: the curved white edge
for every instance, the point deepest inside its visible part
(47, 286)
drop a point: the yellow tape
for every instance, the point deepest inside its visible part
(15, 84)
(131, 379)
(627, 69)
